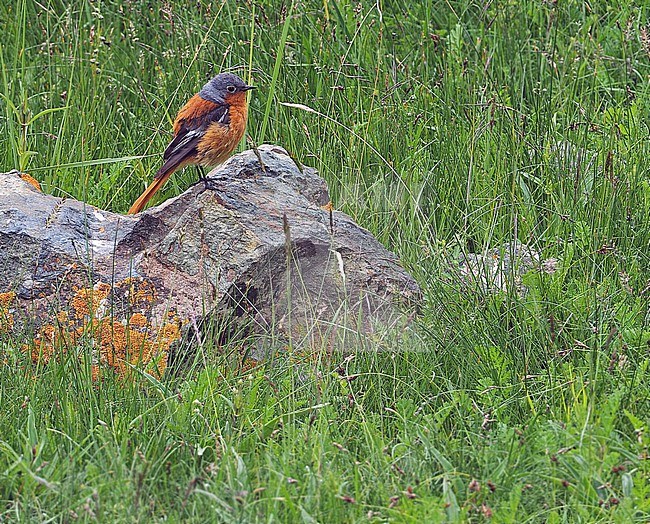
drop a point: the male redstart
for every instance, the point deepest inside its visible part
(206, 131)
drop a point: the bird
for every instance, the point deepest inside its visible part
(207, 130)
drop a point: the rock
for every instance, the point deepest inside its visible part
(255, 249)
(501, 269)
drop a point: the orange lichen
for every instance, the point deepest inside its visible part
(6, 299)
(138, 320)
(111, 336)
(119, 345)
(248, 364)
(87, 300)
(6, 318)
(43, 347)
(31, 180)
(141, 291)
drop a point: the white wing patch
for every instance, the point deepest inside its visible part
(223, 117)
(189, 136)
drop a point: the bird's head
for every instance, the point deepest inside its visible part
(222, 87)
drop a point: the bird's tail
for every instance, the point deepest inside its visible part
(148, 194)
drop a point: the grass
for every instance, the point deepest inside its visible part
(443, 128)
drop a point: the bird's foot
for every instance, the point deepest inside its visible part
(209, 184)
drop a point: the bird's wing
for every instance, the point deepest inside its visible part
(190, 131)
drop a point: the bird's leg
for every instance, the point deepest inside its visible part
(207, 183)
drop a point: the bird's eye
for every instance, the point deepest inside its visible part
(231, 89)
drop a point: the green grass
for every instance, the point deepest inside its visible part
(437, 126)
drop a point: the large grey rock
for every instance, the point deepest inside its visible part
(219, 253)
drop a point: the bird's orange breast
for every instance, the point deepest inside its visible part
(221, 140)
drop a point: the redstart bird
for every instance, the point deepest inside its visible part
(206, 131)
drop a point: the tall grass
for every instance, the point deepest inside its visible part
(442, 127)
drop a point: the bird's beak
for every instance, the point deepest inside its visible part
(248, 88)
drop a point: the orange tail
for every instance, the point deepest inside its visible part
(152, 189)
(144, 198)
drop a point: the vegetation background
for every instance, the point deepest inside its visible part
(443, 127)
